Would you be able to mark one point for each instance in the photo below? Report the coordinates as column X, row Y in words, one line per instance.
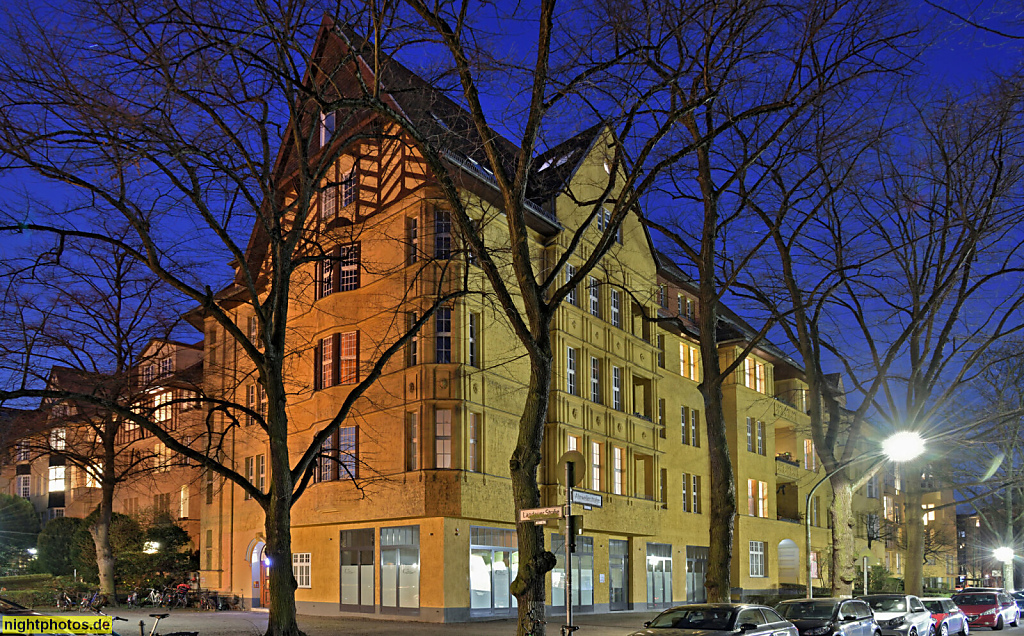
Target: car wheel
column 965, row 627
column 1016, row 619
column 944, row 630
column 931, row 630
column 999, row 623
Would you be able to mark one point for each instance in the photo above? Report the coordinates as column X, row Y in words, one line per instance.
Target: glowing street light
column 1004, row 554
column 151, row 547
column 33, row 551
column 898, row 447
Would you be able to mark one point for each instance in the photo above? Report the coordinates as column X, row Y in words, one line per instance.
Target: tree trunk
column 723, row 497
column 843, row 547
column 100, row 532
column 281, row 582
column 913, row 577
column 1009, row 539
column 534, row 560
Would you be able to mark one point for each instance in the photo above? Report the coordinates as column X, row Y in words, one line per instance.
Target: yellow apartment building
column 409, row 513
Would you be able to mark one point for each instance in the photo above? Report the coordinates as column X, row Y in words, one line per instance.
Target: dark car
column 830, row 617
column 718, row 619
column 949, row 619
column 10, row 608
column 1018, row 598
column 988, row 609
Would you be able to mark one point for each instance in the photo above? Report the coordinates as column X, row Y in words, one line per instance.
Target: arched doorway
column 789, row 561
column 259, row 571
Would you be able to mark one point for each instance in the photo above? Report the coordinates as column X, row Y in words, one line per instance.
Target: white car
column 901, row 615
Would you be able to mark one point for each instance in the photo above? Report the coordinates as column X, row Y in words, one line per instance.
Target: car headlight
column 818, row 631
column 994, row 610
column 896, row 622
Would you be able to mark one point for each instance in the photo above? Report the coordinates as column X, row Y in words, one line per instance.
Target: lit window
column 21, row 452
column 761, row 442
column 595, row 380
column 593, row 291
column 571, row 297
column 301, row 569
column 570, row 371
column 412, row 452
column 616, row 308
column 695, row 493
column 58, row 439
column 810, row 456
column 573, row 442
column 24, row 486
column 348, row 358
column 617, row 388
column 162, row 409
column 93, row 475
column 55, row 481
column 474, row 442
column 474, row 322
column 183, row 503
column 595, row 465
column 618, row 469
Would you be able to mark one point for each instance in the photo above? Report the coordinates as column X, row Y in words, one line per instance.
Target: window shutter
column 336, row 358
column 336, row 269
column 317, row 356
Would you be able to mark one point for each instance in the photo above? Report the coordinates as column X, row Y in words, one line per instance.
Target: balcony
column 787, row 468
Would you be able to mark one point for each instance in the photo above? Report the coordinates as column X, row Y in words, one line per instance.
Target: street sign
column 587, row 498
column 540, row 515
column 579, row 468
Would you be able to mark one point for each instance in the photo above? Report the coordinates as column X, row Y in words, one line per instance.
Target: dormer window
column 58, row 439
column 166, row 366
column 326, row 130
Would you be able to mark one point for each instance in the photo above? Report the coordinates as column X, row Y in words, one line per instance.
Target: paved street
column 254, row 623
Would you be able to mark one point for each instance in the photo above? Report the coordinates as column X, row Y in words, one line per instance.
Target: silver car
column 830, row 617
column 901, row 614
column 714, row 619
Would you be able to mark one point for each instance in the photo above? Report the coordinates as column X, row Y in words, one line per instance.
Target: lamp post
column 899, row 447
column 1005, row 556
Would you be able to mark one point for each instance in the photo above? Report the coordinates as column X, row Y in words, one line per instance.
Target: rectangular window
column 661, row 351
column 596, row 449
column 593, row 291
column 572, row 297
column 326, row 272
column 473, row 344
column 616, row 303
column 253, row 329
column 399, row 568
column 757, row 566
column 326, row 128
column 261, row 473
column 348, row 452
column 663, row 296
column 412, row 447
column 757, row 498
column 871, row 488
column 689, row 361
column 686, row 492
column 55, row 481
column 209, row 487
column 348, row 187
column 754, row 375
column 659, row 574
column 301, row 566
column 750, row 435
column 443, row 336
column 695, row 428
column 695, row 491
column 442, row 235
column 443, row 438
column 327, row 362
column 250, row 473
column 329, row 201
column 414, row 342
column 618, row 469
column 474, row 442
column 348, row 267
column 815, row 516
column 810, row 458
column 617, row 388
column 570, row 371
column 94, row 475
column 412, row 238
column 690, row 309
column 21, row 452
column 162, row 457
column 162, row 409
column 348, row 358
column 761, row 441
column 685, row 417
column 24, row 486
column 573, row 442
column 327, row 460
column 595, row 380
column 183, row 502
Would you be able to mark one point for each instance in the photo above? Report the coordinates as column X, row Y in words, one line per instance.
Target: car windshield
column 706, row 618
column 935, row 607
column 887, row 603
column 807, row 610
column 975, row 599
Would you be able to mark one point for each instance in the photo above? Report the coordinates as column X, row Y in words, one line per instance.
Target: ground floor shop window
column 659, row 574
column 357, row 570
column 400, row 568
column 582, row 573
column 493, row 565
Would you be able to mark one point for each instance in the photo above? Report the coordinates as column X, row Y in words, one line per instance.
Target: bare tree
column 202, row 130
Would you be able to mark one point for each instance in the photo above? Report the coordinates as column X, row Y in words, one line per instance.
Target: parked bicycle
column 91, row 601
column 64, row 601
column 142, row 625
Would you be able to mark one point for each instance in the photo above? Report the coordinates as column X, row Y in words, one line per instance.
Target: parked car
column 10, row 608
column 988, row 609
column 830, row 617
column 900, row 614
column 710, row 619
column 949, row 619
column 1018, row 597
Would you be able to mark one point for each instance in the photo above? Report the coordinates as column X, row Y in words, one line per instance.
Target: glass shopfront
column 400, row 569
column 582, row 573
column 493, row 565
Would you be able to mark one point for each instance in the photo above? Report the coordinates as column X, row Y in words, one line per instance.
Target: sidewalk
column 255, row 623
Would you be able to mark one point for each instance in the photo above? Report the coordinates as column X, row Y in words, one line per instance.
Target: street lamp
column 1005, row 555
column 899, row 447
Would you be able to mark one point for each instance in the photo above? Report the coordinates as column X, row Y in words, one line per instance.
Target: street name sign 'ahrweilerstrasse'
column 541, row 515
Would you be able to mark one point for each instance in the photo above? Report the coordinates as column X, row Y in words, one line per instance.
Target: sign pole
column 570, row 479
